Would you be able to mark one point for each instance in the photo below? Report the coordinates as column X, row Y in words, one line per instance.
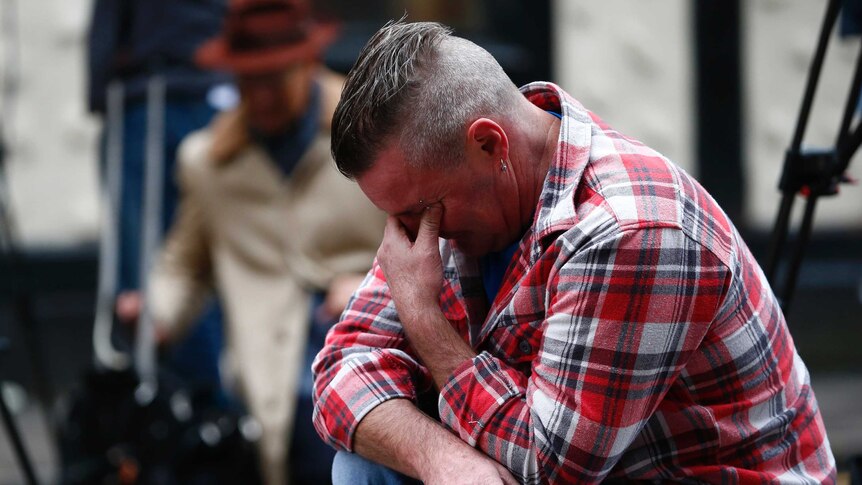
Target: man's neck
column 541, row 131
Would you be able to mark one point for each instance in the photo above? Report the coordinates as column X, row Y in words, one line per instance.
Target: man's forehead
column 389, row 165
column 391, row 184
column 378, row 183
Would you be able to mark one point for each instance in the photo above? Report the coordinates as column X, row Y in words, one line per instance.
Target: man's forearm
column 437, row 344
column 414, row 274
column 396, row 434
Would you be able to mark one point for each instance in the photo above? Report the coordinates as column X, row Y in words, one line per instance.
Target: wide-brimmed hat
column 266, row 35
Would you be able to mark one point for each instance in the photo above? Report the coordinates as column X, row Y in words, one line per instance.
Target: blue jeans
column 352, row 469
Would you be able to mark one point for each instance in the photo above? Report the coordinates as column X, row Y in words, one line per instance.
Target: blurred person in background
column 267, row 221
column 132, row 44
column 584, row 307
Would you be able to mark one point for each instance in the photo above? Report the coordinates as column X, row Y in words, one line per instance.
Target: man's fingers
column 393, row 232
column 393, row 227
column 394, row 240
column 429, row 226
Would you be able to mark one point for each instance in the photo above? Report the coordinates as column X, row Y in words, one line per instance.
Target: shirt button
column 525, row 346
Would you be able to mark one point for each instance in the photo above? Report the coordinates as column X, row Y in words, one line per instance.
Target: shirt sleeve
column 364, row 362
column 623, row 316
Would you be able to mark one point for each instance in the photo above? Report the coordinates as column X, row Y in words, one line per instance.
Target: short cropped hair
column 417, row 84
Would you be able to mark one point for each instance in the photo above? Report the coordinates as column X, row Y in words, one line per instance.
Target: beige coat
column 264, row 241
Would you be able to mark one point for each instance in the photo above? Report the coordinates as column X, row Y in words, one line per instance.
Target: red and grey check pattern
column 634, row 336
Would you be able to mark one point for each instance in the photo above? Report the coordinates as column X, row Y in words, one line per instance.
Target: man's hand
column 462, row 464
column 414, row 273
column 128, row 307
column 413, row 270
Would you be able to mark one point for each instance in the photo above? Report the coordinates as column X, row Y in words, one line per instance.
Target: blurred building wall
column 780, row 37
column 52, row 168
column 631, row 63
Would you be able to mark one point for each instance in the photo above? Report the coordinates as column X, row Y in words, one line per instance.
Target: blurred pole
column 107, row 357
column 719, row 106
column 145, row 341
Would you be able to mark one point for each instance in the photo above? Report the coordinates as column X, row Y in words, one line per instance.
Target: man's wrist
column 441, row 449
column 438, row 345
column 417, row 310
column 398, row 435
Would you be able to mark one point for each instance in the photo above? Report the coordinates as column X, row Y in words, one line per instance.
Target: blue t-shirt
column 493, row 267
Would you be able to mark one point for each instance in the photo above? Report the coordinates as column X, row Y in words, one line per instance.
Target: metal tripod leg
column 14, row 435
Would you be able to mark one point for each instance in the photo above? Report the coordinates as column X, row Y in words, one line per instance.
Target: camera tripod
column 814, row 173
column 12, row 431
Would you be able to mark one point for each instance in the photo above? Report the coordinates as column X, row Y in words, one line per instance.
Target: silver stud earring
column 503, row 166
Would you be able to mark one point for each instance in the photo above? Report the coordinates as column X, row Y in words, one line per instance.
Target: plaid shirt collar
column 555, row 210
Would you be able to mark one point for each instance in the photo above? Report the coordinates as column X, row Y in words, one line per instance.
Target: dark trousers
column 310, row 458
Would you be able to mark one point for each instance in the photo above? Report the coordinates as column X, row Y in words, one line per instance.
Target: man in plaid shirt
column 583, row 306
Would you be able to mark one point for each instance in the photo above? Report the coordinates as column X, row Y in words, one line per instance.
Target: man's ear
column 487, row 137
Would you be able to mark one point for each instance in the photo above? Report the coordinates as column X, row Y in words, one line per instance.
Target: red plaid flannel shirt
column 634, row 336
